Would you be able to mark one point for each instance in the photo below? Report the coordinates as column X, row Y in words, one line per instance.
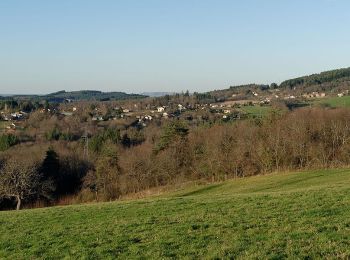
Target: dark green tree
column 6, row 141
column 50, row 169
column 173, row 131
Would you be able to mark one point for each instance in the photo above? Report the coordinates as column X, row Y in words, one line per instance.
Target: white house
column 160, row 109
column 181, row 107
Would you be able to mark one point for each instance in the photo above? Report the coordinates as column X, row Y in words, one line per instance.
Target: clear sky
column 167, row 45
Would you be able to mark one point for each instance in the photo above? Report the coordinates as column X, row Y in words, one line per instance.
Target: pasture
column 286, row 215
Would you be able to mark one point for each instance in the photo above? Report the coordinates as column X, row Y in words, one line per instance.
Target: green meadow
column 287, row 215
column 334, row 102
column 257, row 111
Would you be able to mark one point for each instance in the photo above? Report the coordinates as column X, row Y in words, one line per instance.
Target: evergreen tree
column 50, row 174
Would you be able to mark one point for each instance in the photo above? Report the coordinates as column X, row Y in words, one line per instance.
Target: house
column 97, row 118
column 66, row 113
column 289, row 97
column 340, row 94
column 227, row 111
column 266, row 101
column 11, row 127
column 314, row 95
column 74, row 109
column 160, row 109
column 165, row 115
column 16, row 116
column 125, row 110
column 5, row 117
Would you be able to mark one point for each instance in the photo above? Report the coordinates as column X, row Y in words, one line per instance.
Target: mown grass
column 294, row 215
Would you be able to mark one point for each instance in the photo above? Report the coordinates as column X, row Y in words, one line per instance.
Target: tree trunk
column 18, row 207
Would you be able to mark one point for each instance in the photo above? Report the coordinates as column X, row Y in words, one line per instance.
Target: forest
column 118, row 162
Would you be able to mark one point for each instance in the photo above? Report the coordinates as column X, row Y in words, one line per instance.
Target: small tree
column 6, row 141
column 172, row 132
column 107, row 173
column 19, row 180
column 104, row 180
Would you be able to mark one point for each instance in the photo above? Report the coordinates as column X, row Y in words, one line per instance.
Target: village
column 232, row 106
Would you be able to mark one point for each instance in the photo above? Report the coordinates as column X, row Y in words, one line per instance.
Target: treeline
column 175, row 153
column 11, row 104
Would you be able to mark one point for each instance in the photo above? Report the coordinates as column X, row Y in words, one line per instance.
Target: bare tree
column 19, row 180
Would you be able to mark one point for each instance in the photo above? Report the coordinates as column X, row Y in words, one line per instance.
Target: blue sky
column 167, row 45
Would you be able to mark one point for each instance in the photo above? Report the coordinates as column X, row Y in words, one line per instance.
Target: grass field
column 334, row 101
column 257, row 111
column 294, row 215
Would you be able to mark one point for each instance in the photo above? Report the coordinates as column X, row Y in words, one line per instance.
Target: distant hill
column 332, row 76
column 333, row 81
column 157, row 94
column 63, row 95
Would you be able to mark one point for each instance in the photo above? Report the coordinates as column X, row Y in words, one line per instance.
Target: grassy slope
column 287, row 215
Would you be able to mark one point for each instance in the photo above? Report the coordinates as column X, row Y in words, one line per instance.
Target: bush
column 6, row 141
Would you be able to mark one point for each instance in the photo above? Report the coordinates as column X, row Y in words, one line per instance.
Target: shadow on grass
column 202, row 190
column 287, row 183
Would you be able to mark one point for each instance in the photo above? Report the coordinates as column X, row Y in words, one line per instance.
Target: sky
column 140, row 46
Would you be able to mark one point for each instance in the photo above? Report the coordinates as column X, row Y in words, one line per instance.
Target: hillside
column 332, row 76
column 329, row 82
column 295, row 215
column 92, row 95
column 63, row 95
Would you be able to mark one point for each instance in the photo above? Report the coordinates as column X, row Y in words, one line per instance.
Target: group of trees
column 175, row 152
column 28, row 179
column 25, row 104
column 304, row 139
